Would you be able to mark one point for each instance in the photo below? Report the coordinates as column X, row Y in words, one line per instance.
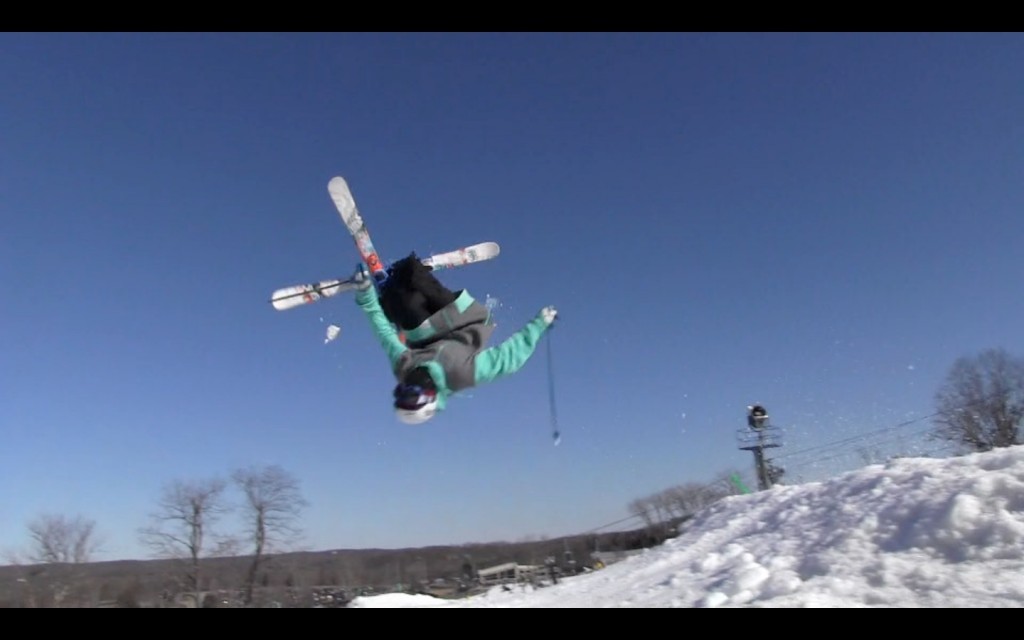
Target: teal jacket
column 450, row 344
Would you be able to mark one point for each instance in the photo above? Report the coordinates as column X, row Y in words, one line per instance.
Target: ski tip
column 339, row 191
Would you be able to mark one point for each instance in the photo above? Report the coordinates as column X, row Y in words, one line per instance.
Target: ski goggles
column 413, row 396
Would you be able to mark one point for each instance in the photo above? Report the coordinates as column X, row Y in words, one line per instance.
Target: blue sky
column 821, row 223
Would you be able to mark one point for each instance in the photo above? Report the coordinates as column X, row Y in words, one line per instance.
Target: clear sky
column 917, row 533
column 821, row 223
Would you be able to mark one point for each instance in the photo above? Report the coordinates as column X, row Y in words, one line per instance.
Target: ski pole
column 551, row 393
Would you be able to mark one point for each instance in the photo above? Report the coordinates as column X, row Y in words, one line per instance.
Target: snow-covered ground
column 915, row 532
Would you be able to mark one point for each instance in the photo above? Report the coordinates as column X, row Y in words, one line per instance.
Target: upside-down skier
column 442, row 347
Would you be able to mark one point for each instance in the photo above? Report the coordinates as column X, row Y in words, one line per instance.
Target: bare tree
column 981, row 404
column 687, row 499
column 644, row 509
column 664, row 511
column 655, row 511
column 184, row 521
column 272, row 505
column 60, row 547
column 58, row 538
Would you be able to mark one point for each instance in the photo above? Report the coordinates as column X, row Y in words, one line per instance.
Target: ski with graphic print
column 303, row 294
column 341, row 195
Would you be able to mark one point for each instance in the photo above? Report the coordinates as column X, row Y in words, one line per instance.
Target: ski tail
column 341, row 195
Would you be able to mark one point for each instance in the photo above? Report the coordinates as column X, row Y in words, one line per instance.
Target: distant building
column 509, row 573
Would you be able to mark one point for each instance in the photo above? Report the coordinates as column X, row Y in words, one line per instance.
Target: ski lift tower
column 757, row 437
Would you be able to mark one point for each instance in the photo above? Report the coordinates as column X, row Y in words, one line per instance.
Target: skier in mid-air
column 442, row 348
